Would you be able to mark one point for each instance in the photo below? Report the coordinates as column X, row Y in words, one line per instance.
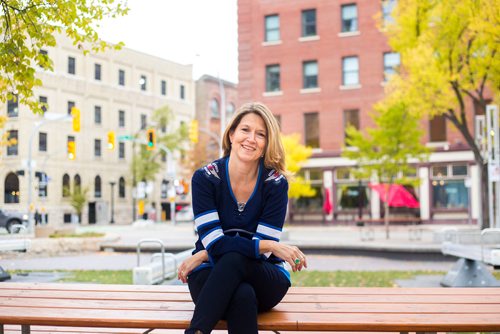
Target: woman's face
column 249, row 139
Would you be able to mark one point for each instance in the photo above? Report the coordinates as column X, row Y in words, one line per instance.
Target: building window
column 214, row 108
column 42, row 142
column 121, row 150
column 230, row 109
column 437, row 128
column 311, row 125
column 163, row 87
column 71, row 65
column 309, row 22
column 448, row 187
column 66, row 191
column 143, row 82
column 387, row 8
column 97, row 187
column 121, row 77
column 13, row 137
column 11, row 189
column 164, row 188
column 97, row 147
column 272, row 28
column 182, row 92
column 77, row 183
column 121, row 118
column 310, row 74
column 391, row 64
column 97, row 72
column 313, row 204
column 273, row 78
column 349, row 18
column 44, row 102
column 13, row 107
column 97, row 114
column 350, row 71
column 121, row 187
column 143, row 121
column 42, row 184
column 71, row 104
column 351, row 118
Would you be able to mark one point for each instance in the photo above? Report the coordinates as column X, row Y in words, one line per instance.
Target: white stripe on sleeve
column 206, row 218
column 211, row 237
column 268, row 231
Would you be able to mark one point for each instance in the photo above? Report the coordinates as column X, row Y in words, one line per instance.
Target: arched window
column 121, row 187
column 230, row 109
column 66, row 191
column 11, row 186
column 214, row 108
column 77, row 183
column 97, row 187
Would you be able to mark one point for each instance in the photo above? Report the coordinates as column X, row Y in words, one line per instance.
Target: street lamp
column 112, row 184
column 222, row 114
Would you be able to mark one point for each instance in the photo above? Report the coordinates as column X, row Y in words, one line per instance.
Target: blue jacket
column 224, row 226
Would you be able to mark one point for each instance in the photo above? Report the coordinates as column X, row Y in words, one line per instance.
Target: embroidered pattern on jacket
column 274, row 176
column 212, row 169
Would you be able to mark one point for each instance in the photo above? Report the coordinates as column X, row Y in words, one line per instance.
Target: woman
column 239, row 203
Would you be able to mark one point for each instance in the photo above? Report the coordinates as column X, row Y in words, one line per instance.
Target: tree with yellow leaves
column 295, row 155
column 449, row 55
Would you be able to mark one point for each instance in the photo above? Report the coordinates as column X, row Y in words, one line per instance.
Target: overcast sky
column 199, row 32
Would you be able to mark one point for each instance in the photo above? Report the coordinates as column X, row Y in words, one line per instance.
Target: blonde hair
column 274, row 153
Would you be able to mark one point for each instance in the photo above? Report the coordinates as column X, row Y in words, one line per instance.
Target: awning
column 398, row 195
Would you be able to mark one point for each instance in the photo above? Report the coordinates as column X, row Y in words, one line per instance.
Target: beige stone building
column 115, row 91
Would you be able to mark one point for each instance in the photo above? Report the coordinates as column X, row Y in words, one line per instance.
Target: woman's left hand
column 190, row 264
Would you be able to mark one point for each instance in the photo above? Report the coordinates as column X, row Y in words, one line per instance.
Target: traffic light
column 193, row 131
column 151, row 138
column 111, row 140
column 71, row 150
column 75, row 112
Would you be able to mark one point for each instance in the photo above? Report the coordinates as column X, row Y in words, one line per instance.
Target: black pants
column 235, row 289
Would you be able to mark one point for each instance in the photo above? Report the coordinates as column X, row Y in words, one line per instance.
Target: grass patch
column 354, row 278
column 77, row 235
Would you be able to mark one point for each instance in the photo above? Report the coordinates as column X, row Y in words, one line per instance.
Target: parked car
column 8, row 220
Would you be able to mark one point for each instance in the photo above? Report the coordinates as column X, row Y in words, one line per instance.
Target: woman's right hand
column 188, row 265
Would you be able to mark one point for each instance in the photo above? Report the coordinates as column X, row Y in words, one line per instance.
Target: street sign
column 125, row 137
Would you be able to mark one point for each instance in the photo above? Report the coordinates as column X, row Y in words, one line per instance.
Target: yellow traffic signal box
column 193, row 131
column 75, row 113
column 111, row 140
column 71, row 150
column 151, row 139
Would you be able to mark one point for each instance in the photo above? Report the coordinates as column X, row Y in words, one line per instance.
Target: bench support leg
column 25, row 329
column 469, row 273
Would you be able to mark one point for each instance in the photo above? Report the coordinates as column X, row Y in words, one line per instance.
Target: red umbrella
column 327, row 205
column 398, row 195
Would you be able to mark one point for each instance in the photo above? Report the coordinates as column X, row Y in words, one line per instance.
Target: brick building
column 321, row 65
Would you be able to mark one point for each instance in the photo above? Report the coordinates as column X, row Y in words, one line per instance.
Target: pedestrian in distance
column 239, row 202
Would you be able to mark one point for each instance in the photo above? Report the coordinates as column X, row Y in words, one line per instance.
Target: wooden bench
column 367, row 232
column 127, row 307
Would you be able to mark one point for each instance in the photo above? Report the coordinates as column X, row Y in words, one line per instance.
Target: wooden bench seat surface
column 303, row 309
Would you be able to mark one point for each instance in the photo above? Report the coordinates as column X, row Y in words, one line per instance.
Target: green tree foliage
column 296, row 154
column 146, row 164
column 384, row 151
column 449, row 53
column 78, row 199
column 26, row 27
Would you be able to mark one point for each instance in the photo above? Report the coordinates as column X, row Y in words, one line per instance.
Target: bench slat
column 267, row 321
column 185, row 297
column 293, row 290
column 143, row 305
